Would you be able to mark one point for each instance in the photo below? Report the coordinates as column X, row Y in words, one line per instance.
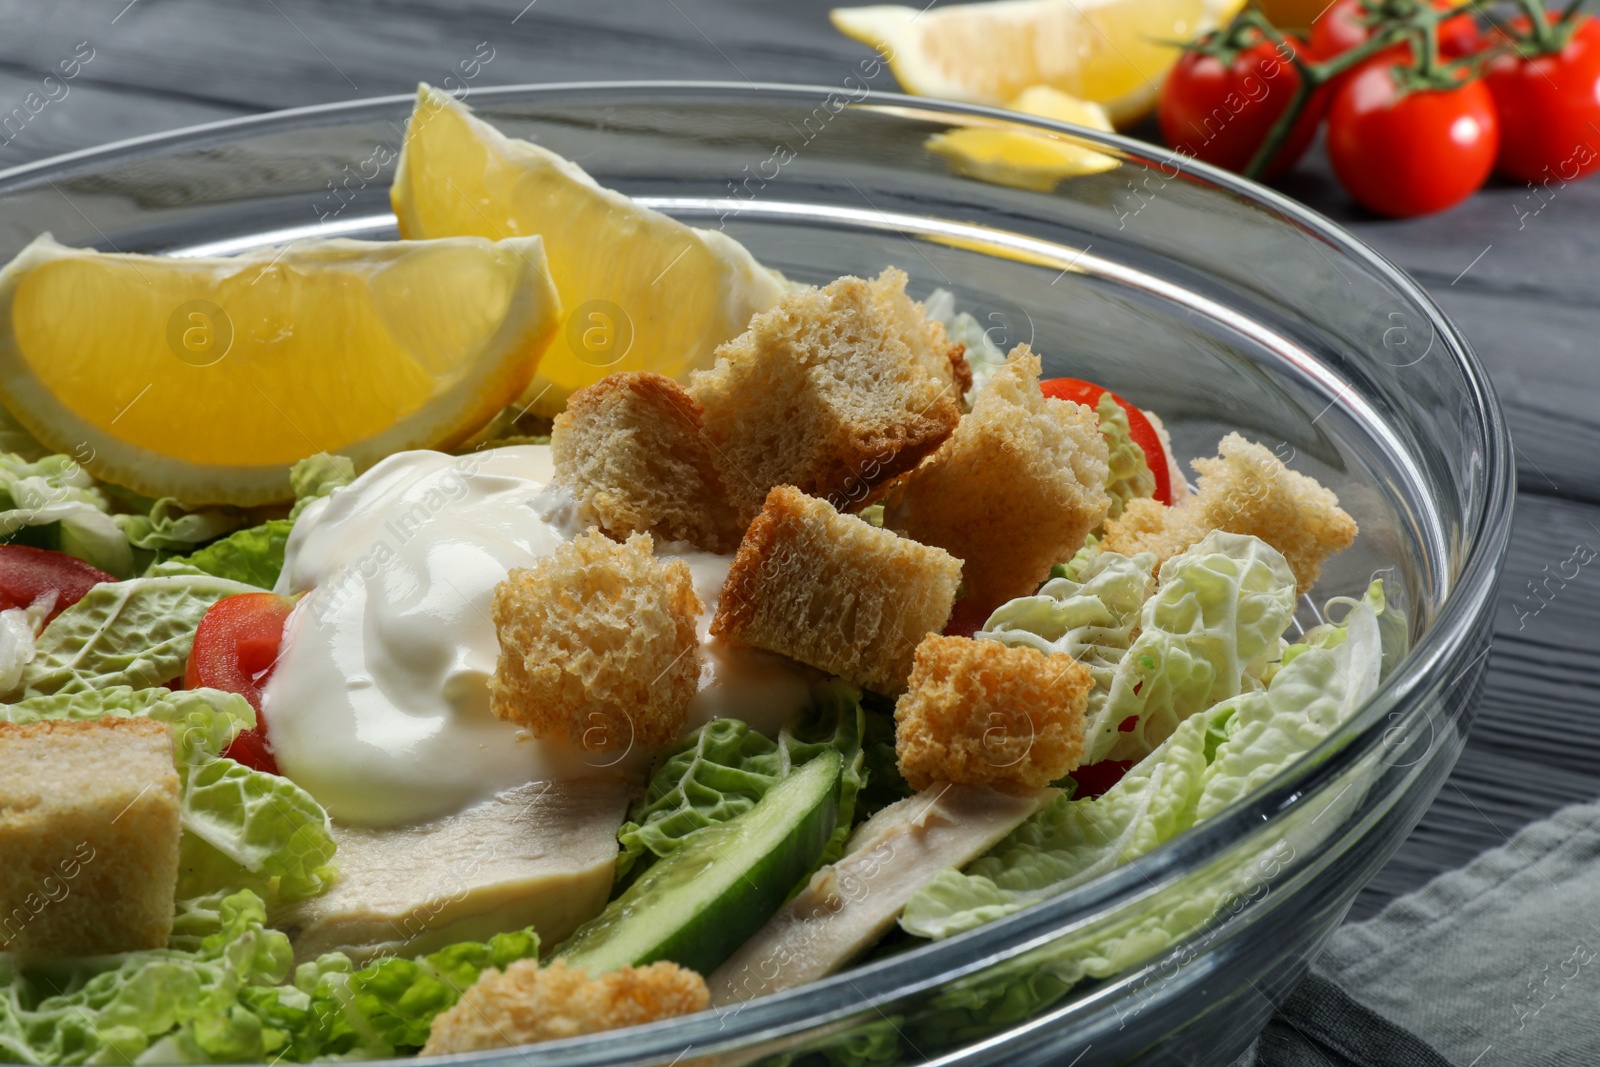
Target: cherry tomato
column 235, row 649
column 1413, row 153
column 1219, row 112
column 27, row 573
column 1550, row 109
column 1341, row 27
column 1139, row 428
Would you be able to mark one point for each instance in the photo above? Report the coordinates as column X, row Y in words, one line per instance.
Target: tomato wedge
column 1139, row 428
column 235, row 649
column 28, row 573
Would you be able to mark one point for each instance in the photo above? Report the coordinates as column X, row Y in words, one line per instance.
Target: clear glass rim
column 1486, row 523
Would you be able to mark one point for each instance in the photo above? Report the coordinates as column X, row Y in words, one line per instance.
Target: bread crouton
column 925, row 337
column 1180, row 487
column 823, row 394
column 1243, row 490
column 598, row 644
column 89, row 831
column 631, row 449
column 527, row 1003
column 834, row 591
column 1015, row 489
column 977, row 712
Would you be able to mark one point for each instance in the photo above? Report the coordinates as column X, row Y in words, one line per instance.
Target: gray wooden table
column 1517, row 271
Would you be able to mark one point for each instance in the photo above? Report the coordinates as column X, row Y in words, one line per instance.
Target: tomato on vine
column 1402, row 149
column 1346, row 24
column 1226, row 92
column 1546, row 87
column 1412, row 126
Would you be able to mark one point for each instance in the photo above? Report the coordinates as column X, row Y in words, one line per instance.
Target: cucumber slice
column 699, row 903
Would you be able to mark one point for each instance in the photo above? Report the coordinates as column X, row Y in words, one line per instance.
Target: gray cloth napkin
column 1492, row 965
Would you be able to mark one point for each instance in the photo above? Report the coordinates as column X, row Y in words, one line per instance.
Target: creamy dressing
column 736, row 682
column 379, row 702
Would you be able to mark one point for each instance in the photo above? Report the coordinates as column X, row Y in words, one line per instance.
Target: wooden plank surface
column 1515, row 269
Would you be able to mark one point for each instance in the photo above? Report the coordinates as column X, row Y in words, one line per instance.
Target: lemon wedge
column 642, row 291
column 1028, row 159
column 205, row 378
column 1114, row 53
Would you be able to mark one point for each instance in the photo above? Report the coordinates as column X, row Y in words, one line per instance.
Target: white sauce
column 379, row 703
column 759, row 687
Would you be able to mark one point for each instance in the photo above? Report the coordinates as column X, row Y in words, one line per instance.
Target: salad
column 607, row 629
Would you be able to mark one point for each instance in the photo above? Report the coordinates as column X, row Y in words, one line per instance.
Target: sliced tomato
column 1139, row 428
column 235, row 649
column 27, row 573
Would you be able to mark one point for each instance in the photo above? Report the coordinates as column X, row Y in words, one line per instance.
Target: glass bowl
column 1213, row 301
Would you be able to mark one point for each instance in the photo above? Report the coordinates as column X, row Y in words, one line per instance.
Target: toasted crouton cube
column 1015, row 489
column 89, row 831
column 1243, row 490
column 1180, row 487
column 822, row 393
column 598, row 644
column 835, row 592
column 632, row 450
column 925, row 337
column 980, row 713
column 527, row 1003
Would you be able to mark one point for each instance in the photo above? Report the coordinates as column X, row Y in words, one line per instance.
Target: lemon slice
column 1023, row 158
column 204, row 379
column 1109, row 52
column 641, row 291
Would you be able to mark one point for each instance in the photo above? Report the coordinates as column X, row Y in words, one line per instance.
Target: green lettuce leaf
column 1239, row 744
column 722, row 769
column 241, row 827
column 1070, row 841
column 1129, row 477
column 1211, row 761
column 135, row 633
column 164, row 1006
column 1073, row 568
column 316, row 476
column 248, row 828
column 1090, row 618
column 204, row 721
column 195, row 919
column 1206, row 634
column 168, row 526
column 1319, row 687
column 983, row 356
column 19, row 630
column 882, row 783
column 54, row 503
column 253, row 555
column 388, row 1006
column 224, row 996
